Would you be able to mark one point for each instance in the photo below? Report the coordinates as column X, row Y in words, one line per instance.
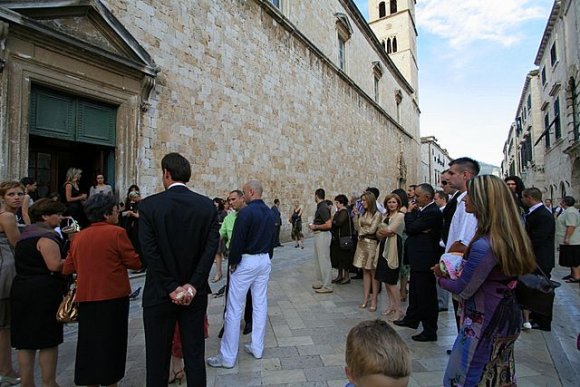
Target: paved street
column 306, row 336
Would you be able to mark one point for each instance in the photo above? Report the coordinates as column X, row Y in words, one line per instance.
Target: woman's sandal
column 177, row 377
column 373, row 308
column 363, row 305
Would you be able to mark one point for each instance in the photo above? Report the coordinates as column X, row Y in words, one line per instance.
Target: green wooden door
column 72, row 118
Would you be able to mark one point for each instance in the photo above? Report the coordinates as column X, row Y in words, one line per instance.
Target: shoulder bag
column 535, row 292
column 345, row 242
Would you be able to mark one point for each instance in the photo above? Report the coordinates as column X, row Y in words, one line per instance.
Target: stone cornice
column 548, row 32
column 22, row 15
column 284, row 22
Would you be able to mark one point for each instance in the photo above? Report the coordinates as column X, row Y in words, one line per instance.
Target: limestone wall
column 242, row 97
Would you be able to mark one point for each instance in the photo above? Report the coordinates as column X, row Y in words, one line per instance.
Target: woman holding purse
column 101, row 254
column 342, row 227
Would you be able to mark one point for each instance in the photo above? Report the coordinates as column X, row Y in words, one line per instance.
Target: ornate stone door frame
column 79, row 49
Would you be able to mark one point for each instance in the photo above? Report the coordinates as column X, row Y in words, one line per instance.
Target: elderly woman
column 491, row 319
column 568, row 238
column 365, row 256
column 37, row 292
column 101, row 255
column 11, row 195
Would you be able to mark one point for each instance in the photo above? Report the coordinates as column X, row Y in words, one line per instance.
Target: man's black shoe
column 535, row 325
column 448, row 352
column 220, row 292
column 403, row 323
column 221, row 334
column 133, row 296
column 247, row 329
column 422, row 337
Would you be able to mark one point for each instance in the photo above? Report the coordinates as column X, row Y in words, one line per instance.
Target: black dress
column 36, row 294
column 341, row 226
column 75, row 209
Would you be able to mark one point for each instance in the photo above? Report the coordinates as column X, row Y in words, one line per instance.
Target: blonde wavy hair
column 71, row 173
column 498, row 217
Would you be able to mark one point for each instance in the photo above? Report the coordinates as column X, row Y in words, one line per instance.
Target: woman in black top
column 37, row 292
column 341, row 227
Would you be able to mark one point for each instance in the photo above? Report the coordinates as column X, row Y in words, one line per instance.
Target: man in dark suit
column 423, row 225
column 541, row 227
column 179, row 234
column 278, row 217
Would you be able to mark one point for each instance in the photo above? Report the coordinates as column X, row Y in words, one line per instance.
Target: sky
column 474, row 56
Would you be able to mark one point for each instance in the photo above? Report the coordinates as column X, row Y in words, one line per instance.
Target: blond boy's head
column 376, row 356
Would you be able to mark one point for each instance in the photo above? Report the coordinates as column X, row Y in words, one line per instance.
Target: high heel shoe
column 337, row 280
column 217, row 278
column 373, row 308
column 177, row 377
column 363, row 305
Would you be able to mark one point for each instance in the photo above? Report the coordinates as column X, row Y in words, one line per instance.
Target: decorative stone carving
column 147, row 85
column 3, row 35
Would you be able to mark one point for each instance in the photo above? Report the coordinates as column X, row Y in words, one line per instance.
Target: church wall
column 242, row 97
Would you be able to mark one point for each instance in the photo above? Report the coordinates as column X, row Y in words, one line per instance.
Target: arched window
column 394, row 44
column 382, row 9
column 393, row 6
column 389, row 47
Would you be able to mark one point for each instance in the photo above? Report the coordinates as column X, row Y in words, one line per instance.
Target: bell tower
column 393, row 22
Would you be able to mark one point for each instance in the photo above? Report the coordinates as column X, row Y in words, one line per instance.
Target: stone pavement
column 306, row 336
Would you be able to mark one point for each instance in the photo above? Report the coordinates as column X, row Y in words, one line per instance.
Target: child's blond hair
column 374, row 348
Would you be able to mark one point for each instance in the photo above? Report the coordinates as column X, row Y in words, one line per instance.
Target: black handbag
column 535, row 292
column 346, row 242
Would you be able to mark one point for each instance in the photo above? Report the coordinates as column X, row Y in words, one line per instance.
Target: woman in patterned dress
column 491, row 319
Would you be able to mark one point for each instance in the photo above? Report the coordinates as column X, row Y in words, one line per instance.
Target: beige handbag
column 68, row 310
column 71, row 227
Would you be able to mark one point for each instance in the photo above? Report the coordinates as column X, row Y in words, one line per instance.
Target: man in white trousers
column 320, row 227
column 249, row 265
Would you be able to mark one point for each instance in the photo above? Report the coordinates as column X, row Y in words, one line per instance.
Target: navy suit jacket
column 423, row 229
column 179, row 234
column 541, row 227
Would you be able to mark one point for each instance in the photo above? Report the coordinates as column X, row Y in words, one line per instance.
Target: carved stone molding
column 3, row 36
column 147, row 85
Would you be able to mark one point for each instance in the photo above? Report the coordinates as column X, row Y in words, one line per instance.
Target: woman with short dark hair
column 342, row 226
column 101, row 254
column 37, row 292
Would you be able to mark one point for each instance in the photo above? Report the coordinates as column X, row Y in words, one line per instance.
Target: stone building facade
column 524, row 151
column 554, row 130
column 283, row 91
column 434, row 160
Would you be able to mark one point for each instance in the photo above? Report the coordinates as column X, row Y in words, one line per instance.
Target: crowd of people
column 469, row 239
